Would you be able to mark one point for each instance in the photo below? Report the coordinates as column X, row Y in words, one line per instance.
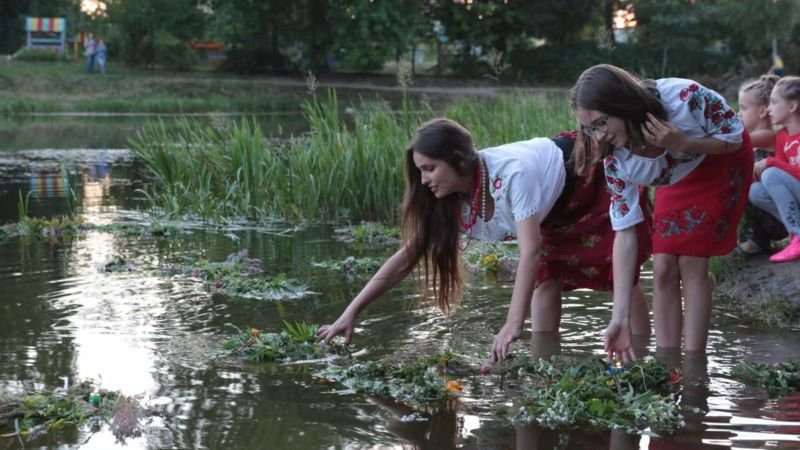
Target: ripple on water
column 158, row 335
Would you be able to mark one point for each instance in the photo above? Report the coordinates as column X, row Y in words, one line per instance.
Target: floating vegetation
column 242, row 276
column 134, row 229
column 557, row 393
column 371, row 233
column 116, row 264
column 64, row 227
column 34, row 414
column 51, row 229
column 425, row 384
column 777, row 379
column 296, row 342
column 491, row 257
column 564, row 392
column 352, row 265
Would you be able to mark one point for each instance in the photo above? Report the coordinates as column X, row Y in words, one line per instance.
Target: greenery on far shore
column 346, row 167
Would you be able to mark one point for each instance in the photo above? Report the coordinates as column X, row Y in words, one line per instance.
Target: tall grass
column 345, row 167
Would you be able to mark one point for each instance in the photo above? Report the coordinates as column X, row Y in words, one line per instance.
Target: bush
column 38, row 54
column 173, row 54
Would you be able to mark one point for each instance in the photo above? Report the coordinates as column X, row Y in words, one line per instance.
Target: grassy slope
column 65, row 87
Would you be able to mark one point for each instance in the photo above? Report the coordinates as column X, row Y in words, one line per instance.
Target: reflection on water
column 114, row 131
column 157, row 336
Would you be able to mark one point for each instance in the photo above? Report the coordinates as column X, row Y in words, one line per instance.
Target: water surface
column 157, row 336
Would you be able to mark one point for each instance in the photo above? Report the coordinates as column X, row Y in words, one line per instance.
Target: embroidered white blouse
column 698, row 112
column 525, row 178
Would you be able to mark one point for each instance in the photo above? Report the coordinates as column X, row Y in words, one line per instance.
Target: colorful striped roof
column 52, row 24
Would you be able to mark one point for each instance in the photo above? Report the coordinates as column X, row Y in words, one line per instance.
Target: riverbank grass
column 348, row 167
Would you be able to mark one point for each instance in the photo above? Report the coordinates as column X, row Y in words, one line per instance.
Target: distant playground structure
column 46, row 33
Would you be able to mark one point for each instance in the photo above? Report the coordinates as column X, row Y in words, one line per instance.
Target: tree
column 13, row 13
column 257, row 33
column 143, row 26
column 776, row 19
column 683, row 32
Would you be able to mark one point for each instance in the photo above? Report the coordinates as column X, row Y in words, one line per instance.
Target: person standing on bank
column 684, row 138
column 100, row 55
column 89, row 46
column 521, row 191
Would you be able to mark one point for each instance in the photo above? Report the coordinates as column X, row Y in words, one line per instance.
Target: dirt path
column 474, row 91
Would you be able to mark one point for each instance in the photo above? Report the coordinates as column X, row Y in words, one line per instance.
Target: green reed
column 349, row 166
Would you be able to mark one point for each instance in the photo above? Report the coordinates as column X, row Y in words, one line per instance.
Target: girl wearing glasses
column 526, row 191
column 683, row 138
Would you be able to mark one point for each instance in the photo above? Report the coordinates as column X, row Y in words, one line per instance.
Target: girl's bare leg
column 697, row 301
column 667, row 308
column 546, row 306
column 640, row 314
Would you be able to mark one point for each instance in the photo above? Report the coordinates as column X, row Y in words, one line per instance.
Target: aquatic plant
column 296, row 342
column 352, row 265
column 53, row 228
column 242, row 276
column 564, row 392
column 160, row 229
column 126, row 418
column 777, row 379
column 425, row 383
column 30, row 415
column 116, row 264
column 371, row 233
column 491, row 257
column 344, row 168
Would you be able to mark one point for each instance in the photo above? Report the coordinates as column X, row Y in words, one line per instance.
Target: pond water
column 158, row 336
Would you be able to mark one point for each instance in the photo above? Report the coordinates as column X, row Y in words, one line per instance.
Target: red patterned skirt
column 577, row 239
column 699, row 215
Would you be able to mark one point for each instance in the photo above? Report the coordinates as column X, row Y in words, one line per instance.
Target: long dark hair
column 616, row 92
column 430, row 229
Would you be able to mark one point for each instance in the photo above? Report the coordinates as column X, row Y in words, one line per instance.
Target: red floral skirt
column 577, row 239
column 699, row 215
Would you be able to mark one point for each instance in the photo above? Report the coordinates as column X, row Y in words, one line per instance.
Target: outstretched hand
column 502, row 341
column 344, row 325
column 662, row 133
column 617, row 342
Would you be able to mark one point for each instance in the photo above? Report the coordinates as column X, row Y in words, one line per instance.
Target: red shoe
column 790, row 253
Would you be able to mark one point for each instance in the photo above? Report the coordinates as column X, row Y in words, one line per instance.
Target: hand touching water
column 617, row 342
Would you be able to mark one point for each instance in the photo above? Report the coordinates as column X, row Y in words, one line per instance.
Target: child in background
column 758, row 227
column 778, row 188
